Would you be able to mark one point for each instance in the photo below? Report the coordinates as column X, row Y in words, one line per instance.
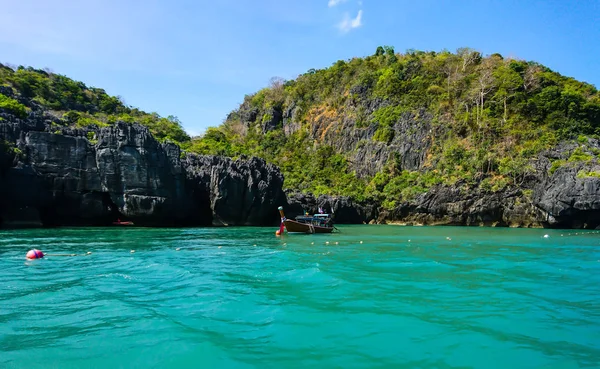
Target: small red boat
column 126, row 223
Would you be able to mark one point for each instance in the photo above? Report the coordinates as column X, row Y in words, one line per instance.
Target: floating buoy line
column 577, row 234
column 37, row 254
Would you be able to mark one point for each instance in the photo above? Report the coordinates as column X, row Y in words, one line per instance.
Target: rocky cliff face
column 410, row 143
column 55, row 175
column 241, row 192
column 569, row 197
column 457, row 205
column 52, row 175
column 566, row 198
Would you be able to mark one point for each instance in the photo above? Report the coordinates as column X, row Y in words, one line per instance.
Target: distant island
column 412, row 138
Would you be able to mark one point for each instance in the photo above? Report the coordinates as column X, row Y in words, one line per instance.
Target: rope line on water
column 69, row 255
column 36, row 254
column 578, row 233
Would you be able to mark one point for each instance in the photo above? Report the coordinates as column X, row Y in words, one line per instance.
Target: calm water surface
column 372, row 297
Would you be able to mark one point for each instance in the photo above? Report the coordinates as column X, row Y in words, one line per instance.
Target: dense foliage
column 12, row 106
column 79, row 105
column 491, row 116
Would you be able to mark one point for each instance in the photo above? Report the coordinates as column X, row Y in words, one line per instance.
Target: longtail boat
column 316, row 223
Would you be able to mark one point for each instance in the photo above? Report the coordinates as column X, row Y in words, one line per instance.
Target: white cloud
column 333, row 3
column 348, row 23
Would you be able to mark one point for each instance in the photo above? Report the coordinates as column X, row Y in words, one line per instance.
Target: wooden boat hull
column 293, row 226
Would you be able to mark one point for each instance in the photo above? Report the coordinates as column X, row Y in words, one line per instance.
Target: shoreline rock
column 52, row 179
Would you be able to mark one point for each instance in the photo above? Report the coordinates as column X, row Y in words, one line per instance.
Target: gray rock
column 411, row 141
column 240, row 192
column 272, row 119
column 459, row 205
column 64, row 179
column 570, row 201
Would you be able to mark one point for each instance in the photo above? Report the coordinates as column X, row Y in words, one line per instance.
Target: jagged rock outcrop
column 272, row 119
column 269, row 119
column 241, row 192
column 94, row 176
column 568, row 197
column 409, row 145
column 571, row 200
column 458, row 205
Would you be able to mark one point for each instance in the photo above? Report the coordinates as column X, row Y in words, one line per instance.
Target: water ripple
column 242, row 298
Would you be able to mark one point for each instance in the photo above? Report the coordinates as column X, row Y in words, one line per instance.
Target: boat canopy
column 314, row 216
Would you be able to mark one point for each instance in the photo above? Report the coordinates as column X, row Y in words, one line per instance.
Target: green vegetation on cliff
column 76, row 104
column 487, row 117
column 12, row 106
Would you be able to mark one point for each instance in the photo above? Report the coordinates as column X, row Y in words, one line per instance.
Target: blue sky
column 197, row 59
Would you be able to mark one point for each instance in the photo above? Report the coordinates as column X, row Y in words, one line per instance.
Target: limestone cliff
column 421, row 137
column 95, row 176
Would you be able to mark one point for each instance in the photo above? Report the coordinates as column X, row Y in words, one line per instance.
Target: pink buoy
column 35, row 254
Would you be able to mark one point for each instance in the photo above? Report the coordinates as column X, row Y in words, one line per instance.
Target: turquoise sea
column 367, row 297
